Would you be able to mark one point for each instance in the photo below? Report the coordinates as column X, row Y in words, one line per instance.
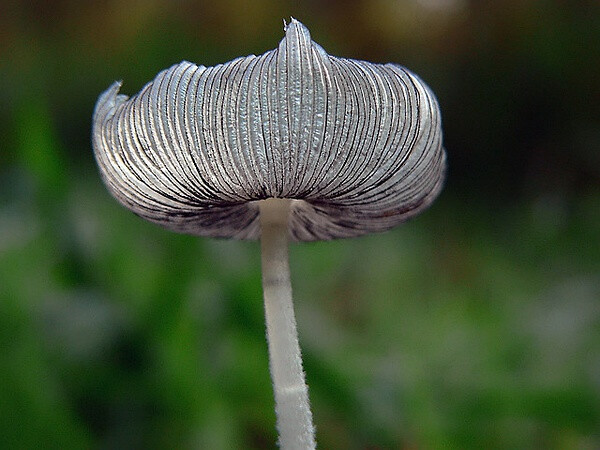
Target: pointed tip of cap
column 295, row 27
column 292, row 25
column 292, row 22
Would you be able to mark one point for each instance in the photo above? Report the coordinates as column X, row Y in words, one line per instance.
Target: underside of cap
column 356, row 145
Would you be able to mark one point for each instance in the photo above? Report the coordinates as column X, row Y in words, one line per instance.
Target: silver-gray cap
column 356, row 145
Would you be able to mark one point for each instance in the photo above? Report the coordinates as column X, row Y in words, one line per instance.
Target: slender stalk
column 294, row 418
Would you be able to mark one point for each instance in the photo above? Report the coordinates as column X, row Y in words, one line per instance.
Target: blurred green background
column 476, row 325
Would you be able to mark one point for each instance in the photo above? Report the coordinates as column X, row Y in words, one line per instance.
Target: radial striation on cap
column 356, row 145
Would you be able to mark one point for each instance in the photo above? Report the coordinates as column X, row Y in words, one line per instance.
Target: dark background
column 476, row 325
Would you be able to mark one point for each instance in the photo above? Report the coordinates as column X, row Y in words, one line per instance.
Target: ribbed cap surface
column 358, row 144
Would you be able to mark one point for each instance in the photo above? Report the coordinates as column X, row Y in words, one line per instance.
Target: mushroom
column 291, row 145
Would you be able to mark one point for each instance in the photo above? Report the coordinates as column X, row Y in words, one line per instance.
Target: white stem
column 294, row 418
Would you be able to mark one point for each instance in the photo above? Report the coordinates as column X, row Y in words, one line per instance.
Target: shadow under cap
column 356, row 145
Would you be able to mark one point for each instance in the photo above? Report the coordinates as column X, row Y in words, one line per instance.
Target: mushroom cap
column 356, row 145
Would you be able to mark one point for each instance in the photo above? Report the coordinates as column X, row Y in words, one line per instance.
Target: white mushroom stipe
column 294, row 417
column 293, row 144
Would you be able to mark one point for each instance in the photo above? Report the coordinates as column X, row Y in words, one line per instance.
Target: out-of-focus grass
column 462, row 329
